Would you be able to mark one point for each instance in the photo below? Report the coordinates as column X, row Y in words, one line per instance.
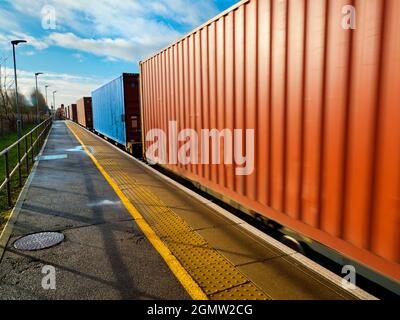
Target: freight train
column 321, row 101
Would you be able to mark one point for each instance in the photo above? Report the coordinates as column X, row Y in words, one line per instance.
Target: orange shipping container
column 324, row 101
column 84, row 112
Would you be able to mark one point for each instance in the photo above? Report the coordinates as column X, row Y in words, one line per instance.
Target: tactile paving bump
column 217, row 276
column 246, row 291
column 39, row 241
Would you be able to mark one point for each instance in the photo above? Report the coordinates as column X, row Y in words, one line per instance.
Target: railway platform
column 132, row 233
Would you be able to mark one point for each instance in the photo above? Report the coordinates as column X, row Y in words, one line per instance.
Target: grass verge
column 16, row 186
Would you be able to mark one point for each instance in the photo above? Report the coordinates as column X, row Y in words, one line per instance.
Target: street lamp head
column 47, row 86
column 17, row 42
column 38, row 73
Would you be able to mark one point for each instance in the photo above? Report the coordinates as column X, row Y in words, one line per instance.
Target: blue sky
column 80, row 45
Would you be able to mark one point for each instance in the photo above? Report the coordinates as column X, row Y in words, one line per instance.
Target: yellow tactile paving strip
column 213, row 273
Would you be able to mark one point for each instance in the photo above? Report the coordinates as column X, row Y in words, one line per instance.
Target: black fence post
column 32, row 155
column 27, row 155
column 8, row 180
column 37, row 141
column 19, row 164
column 40, row 139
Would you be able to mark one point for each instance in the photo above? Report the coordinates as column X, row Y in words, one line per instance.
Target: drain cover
column 39, row 241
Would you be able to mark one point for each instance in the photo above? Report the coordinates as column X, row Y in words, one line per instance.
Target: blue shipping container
column 109, row 110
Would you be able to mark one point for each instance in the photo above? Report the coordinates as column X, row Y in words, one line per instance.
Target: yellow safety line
column 177, row 269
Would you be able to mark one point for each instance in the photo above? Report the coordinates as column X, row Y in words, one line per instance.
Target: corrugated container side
column 324, row 102
column 133, row 114
column 84, row 111
column 116, row 112
column 70, row 112
column 80, row 107
column 108, row 104
column 74, row 113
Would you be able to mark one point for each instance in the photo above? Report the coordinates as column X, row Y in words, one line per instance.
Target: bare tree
column 7, row 96
column 4, row 96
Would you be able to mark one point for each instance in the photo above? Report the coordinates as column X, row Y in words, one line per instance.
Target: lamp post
column 46, row 94
column 54, row 100
column 19, row 122
column 37, row 98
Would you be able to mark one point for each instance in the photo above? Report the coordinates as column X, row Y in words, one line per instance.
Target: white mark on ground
column 104, row 203
column 76, row 149
column 79, row 149
column 51, row 157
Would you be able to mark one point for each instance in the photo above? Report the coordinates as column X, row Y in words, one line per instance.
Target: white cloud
column 191, row 13
column 29, row 53
column 37, row 44
column 8, row 21
column 111, row 48
column 69, row 87
column 128, row 30
column 78, row 57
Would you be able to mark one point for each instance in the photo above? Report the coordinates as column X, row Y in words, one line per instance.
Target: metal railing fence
column 30, row 144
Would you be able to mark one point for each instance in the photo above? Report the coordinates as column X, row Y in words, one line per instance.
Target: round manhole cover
column 39, row 241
